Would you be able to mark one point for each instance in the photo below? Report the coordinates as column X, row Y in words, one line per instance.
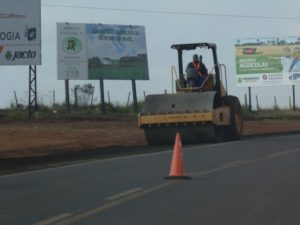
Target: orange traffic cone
column 177, row 168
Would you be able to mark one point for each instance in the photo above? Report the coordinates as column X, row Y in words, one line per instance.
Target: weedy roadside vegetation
column 59, row 112
column 274, row 113
column 122, row 112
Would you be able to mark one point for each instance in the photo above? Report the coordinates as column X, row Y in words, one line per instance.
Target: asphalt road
column 253, row 181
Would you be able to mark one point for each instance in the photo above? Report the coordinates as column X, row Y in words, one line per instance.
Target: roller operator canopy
column 193, row 46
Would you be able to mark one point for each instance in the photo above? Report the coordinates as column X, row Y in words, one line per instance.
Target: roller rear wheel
column 235, row 130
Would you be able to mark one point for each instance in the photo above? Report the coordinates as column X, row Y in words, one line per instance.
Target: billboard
column 101, row 51
column 20, row 32
column 267, row 61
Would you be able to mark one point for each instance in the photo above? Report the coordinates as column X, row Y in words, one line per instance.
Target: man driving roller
column 196, row 72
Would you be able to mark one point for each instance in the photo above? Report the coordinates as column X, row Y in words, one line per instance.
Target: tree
column 83, row 94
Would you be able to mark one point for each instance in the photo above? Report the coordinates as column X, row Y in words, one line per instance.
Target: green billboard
column 267, row 61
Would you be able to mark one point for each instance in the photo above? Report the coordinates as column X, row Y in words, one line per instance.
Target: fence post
column 250, row 105
column 246, row 103
column 294, row 104
column 108, row 97
column 53, row 95
column 16, row 99
column 275, row 102
column 128, row 99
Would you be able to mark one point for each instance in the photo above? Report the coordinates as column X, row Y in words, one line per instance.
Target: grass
column 271, row 114
column 59, row 112
column 123, row 112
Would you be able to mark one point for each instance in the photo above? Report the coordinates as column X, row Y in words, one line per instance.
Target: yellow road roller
column 199, row 113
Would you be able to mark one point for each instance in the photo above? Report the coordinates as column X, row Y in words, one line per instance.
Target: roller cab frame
column 200, row 114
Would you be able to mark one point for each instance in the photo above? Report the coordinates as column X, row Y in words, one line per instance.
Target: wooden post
column 53, row 98
column 16, row 99
column 108, row 97
column 275, row 102
column 257, row 105
column 250, row 105
column 294, row 104
column 128, row 99
column 92, row 99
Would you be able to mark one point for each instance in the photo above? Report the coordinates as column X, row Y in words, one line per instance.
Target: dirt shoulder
column 24, row 139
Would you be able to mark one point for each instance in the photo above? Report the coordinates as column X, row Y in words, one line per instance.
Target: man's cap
column 195, row 57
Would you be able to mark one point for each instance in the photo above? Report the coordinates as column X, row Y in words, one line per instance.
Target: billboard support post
column 250, row 104
column 75, row 96
column 135, row 105
column 294, row 105
column 32, row 99
column 102, row 96
column 68, row 107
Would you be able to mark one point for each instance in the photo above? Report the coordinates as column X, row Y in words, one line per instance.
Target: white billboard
column 20, row 32
column 101, row 51
column 71, row 52
column 267, row 61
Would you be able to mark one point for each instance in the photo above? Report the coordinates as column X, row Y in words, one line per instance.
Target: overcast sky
column 167, row 22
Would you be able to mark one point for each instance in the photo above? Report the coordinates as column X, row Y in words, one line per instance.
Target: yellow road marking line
column 54, row 219
column 276, row 154
column 233, row 164
column 112, row 204
column 123, row 194
column 125, row 197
